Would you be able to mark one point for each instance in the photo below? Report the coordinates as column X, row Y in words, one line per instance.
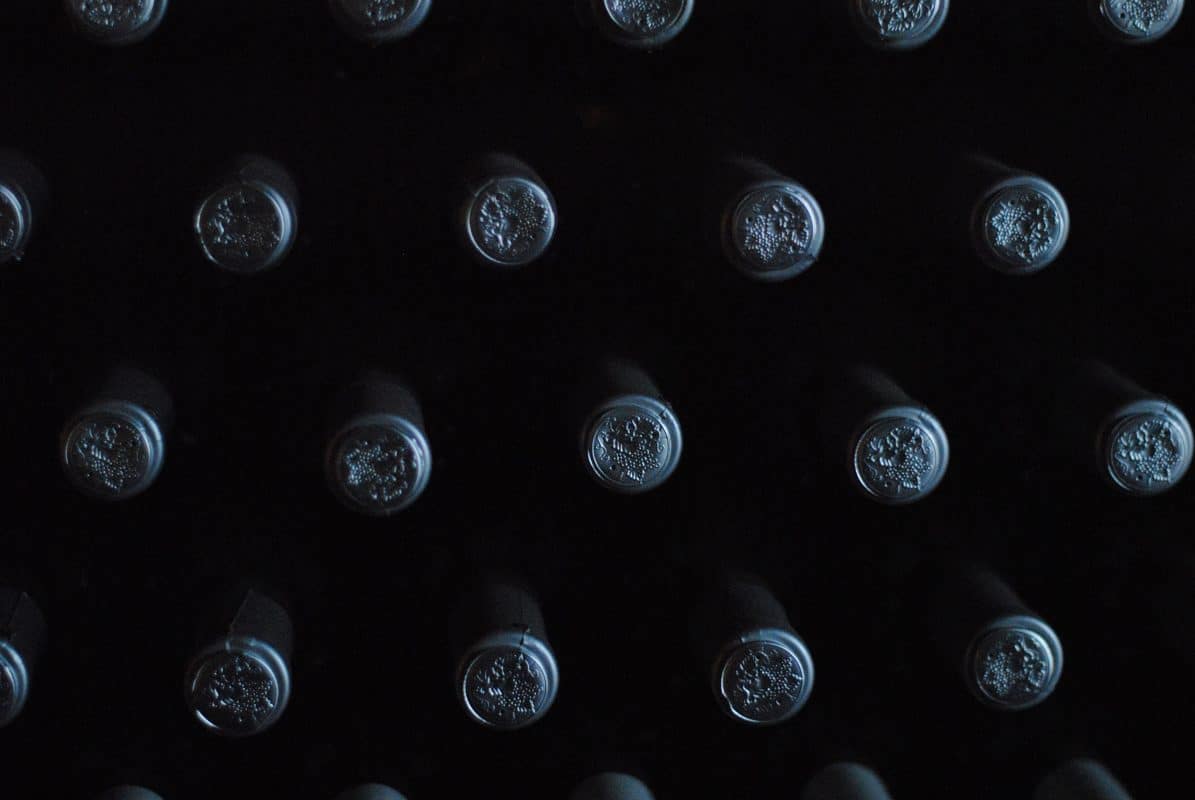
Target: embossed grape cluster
column 512, row 219
column 109, row 453
column 1016, row 668
column 113, row 14
column 1024, row 225
column 1146, row 453
column 1141, row 15
column 242, row 223
column 239, row 690
column 898, row 459
column 644, row 16
column 776, row 229
column 378, row 469
column 892, row 17
column 383, row 13
column 507, row 686
column 765, row 682
column 630, row 447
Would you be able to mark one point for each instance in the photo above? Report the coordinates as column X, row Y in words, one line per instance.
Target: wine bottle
column 379, row 21
column 116, row 22
column 894, row 449
column 1080, row 779
column 761, row 671
column 507, row 217
column 507, row 677
column 846, row 781
column 248, row 221
column 611, row 786
column 1139, row 442
column 114, row 446
column 1135, row 21
column 630, row 437
column 772, row 228
column 377, row 460
column 24, row 195
column 129, row 793
column 1009, row 657
column 1019, row 221
column 22, row 642
column 370, row 791
column 641, row 25
column 898, row 24
column 239, row 682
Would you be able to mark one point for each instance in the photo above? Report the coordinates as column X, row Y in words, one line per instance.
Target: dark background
column 376, row 139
